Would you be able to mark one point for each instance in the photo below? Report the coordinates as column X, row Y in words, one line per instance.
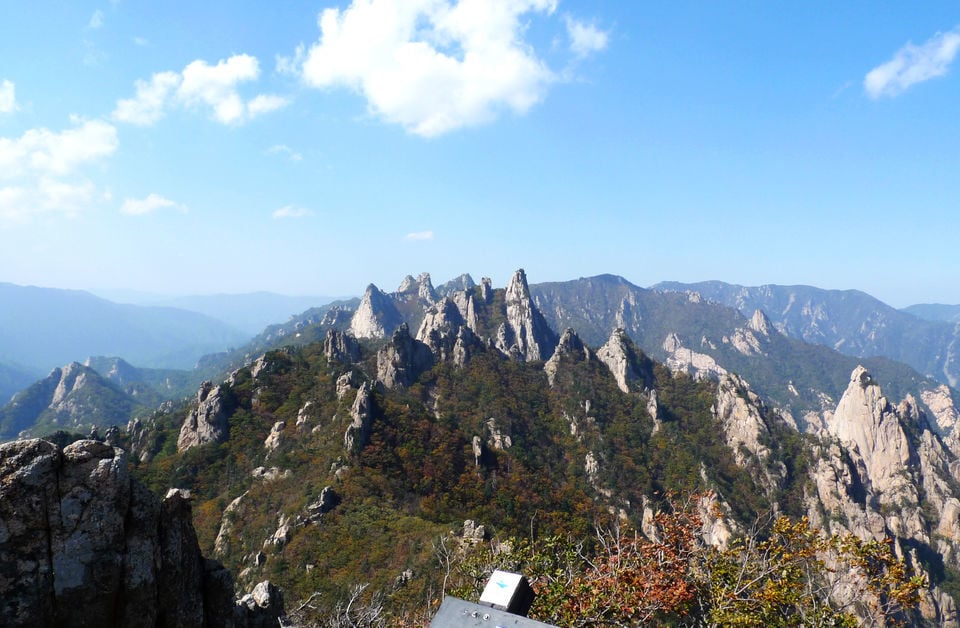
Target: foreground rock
column 84, row 544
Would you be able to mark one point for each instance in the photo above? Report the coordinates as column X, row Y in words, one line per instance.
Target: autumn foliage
column 785, row 573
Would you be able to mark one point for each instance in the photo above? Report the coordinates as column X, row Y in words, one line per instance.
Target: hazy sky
column 315, row 147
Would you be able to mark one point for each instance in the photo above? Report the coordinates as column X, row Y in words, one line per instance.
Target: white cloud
column 42, row 166
column 913, row 64
column 8, row 97
column 419, row 235
column 148, row 205
column 585, row 38
column 283, row 149
column 199, row 84
column 265, row 103
column 290, row 211
column 148, row 105
column 44, row 152
column 141, row 41
column 432, row 66
column 45, row 196
column 96, row 20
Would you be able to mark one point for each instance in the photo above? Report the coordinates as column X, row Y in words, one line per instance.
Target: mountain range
column 44, row 328
column 849, row 321
column 354, row 450
column 360, row 440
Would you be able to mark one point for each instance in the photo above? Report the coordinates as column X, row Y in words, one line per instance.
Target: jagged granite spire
column 525, row 334
column 376, row 316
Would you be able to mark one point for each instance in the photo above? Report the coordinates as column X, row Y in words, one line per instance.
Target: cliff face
column 83, row 544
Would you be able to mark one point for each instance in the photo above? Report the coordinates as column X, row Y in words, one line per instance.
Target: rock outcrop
column 445, row 332
column 341, row 347
column 84, row 544
column 569, row 348
column 400, row 362
column 376, row 316
column 360, row 414
column 620, row 355
column 208, row 422
column 525, row 335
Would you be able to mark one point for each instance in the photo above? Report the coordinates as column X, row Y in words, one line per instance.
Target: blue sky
column 315, row 147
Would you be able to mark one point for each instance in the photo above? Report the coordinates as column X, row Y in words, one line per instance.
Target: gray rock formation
column 445, row 332
column 376, row 316
column 208, row 422
column 341, row 347
column 525, row 335
column 84, row 544
column 400, row 362
column 419, row 289
column 620, row 355
column 360, row 413
column 569, row 348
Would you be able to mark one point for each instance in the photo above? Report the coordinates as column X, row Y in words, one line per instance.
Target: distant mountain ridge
column 849, row 321
column 935, row 312
column 249, row 312
column 43, row 328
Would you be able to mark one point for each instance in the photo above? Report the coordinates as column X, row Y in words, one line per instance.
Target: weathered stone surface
column 209, row 421
column 525, row 335
column 376, row 316
column 620, row 355
column 684, row 360
column 400, row 362
column 570, row 348
column 341, row 347
column 84, row 544
column 360, row 412
column 445, row 332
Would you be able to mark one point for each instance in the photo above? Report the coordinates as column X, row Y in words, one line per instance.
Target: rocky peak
column 486, row 290
column 341, row 347
column 376, row 316
column 442, row 327
column 463, row 283
column 71, row 377
column 870, row 427
column 209, row 421
column 400, row 362
column 525, row 334
column 760, row 323
column 618, row 355
column 570, row 347
column 420, row 288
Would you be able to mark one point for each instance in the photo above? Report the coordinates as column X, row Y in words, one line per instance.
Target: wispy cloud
column 290, row 211
column 8, row 97
column 419, row 235
column 913, row 64
column 199, row 84
column 429, row 66
column 141, row 41
column 148, row 205
column 585, row 39
column 283, row 149
column 96, row 20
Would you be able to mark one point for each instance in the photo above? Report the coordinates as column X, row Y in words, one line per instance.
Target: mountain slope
column 14, row 379
column 74, row 398
column 345, row 461
column 43, row 327
column 849, row 321
column 685, row 328
column 935, row 312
